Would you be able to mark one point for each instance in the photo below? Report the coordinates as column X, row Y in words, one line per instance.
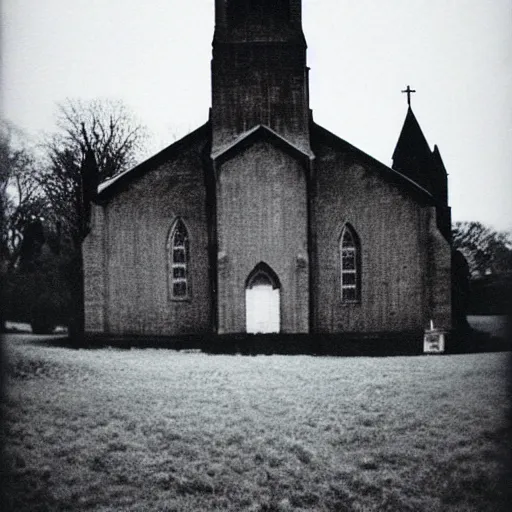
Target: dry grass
column 157, row 430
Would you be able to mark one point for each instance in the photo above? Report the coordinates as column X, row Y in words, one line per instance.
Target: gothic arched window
column 350, row 265
column 178, row 257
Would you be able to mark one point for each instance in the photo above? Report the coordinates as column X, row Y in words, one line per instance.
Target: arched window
column 178, row 256
column 350, row 265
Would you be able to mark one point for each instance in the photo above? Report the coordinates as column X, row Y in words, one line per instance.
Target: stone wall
column 260, row 83
column 439, row 270
column 137, row 222
column 262, row 217
column 399, row 279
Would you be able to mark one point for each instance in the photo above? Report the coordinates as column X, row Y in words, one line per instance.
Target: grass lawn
column 159, row 430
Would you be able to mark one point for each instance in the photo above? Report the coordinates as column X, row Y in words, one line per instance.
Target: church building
column 263, row 221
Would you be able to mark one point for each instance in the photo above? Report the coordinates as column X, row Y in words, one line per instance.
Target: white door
column 262, row 309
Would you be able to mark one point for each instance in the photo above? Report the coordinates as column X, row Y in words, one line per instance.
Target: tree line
column 45, row 196
column 488, row 258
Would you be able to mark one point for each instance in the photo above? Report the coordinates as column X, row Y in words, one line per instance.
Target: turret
column 413, row 158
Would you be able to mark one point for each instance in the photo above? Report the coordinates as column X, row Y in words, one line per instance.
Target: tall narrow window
column 350, row 266
column 178, row 254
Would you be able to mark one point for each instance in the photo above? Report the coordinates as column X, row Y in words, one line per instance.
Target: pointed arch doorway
column 262, row 301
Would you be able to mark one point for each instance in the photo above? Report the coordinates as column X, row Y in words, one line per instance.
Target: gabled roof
column 320, row 134
column 260, row 132
column 111, row 185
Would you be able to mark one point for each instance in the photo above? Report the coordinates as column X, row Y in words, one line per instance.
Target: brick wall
column 271, row 89
column 137, row 224
column 439, row 270
column 296, row 11
column 395, row 232
column 262, row 216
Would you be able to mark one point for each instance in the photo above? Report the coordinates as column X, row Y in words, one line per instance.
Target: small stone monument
column 433, row 340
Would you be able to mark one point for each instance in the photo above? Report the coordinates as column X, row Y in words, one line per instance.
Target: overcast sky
column 155, row 56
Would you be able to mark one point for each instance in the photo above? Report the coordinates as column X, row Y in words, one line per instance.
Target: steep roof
column 111, row 185
column 403, row 181
column 412, row 155
column 411, row 140
column 437, row 159
column 318, row 135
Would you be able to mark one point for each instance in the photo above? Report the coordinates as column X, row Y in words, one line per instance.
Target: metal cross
column 409, row 91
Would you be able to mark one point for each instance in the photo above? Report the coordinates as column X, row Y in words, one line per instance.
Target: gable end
column 257, row 134
column 320, row 135
column 114, row 185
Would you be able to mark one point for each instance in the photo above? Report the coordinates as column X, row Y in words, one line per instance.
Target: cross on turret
column 409, row 91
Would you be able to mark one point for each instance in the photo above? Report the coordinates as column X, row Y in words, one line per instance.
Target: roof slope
column 110, row 186
column 322, row 135
column 412, row 155
column 318, row 135
column 260, row 132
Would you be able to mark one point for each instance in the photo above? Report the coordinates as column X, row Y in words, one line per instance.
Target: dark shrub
column 45, row 313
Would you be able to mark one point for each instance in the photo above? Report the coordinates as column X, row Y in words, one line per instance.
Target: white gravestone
column 434, row 340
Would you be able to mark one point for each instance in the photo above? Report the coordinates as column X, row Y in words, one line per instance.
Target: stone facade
column 126, row 253
column 262, row 186
column 262, row 217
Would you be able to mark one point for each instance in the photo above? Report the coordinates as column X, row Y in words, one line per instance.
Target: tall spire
column 412, row 155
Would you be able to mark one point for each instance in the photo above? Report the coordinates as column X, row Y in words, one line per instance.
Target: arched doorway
column 262, row 301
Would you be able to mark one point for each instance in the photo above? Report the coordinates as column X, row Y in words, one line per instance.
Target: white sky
column 155, row 56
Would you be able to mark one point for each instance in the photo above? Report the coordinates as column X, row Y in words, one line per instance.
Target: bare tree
column 96, row 140
column 21, row 198
column 101, row 129
column 106, row 127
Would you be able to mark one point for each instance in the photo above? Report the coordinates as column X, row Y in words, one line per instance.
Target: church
column 262, row 221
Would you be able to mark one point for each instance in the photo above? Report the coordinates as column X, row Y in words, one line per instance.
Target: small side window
column 178, row 259
column 350, row 265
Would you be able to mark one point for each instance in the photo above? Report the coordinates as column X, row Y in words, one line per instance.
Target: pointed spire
column 413, row 158
column 441, row 176
column 437, row 158
column 412, row 155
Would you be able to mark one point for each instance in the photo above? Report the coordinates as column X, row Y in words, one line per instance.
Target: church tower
column 261, row 158
column 259, row 72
